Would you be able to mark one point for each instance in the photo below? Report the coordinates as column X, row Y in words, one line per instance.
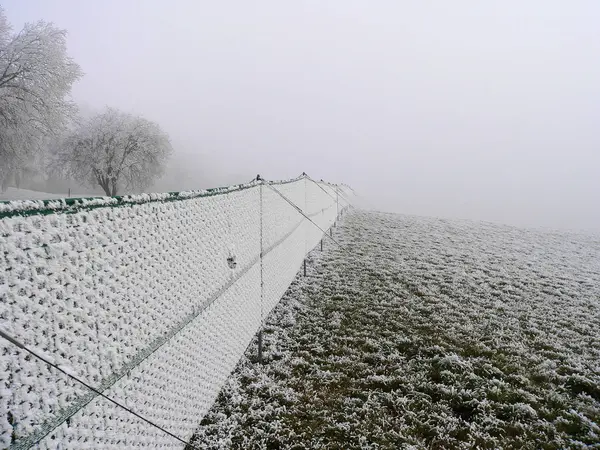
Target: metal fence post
column 262, row 282
column 337, row 201
column 306, row 210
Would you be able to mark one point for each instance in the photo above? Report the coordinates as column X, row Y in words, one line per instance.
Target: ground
column 12, row 193
column 425, row 333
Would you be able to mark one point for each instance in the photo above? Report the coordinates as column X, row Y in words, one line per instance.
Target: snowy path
column 433, row 334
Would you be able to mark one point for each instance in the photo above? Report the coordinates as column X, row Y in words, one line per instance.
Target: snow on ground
column 12, row 193
column 428, row 334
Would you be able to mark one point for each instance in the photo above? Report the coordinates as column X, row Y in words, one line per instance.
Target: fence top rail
column 18, row 208
column 292, row 180
column 71, row 205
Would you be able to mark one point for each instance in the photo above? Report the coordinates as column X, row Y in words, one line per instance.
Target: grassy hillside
column 425, row 333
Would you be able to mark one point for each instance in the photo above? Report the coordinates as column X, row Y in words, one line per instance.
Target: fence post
column 337, row 201
column 304, row 224
column 305, row 210
column 262, row 282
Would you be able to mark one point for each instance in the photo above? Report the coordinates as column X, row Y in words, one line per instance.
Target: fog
column 467, row 109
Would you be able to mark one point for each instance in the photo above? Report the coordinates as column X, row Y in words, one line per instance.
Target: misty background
column 465, row 109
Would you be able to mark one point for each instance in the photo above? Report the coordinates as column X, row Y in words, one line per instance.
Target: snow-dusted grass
column 12, row 193
column 428, row 334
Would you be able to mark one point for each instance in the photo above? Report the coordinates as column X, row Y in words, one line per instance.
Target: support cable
column 320, row 187
column 91, row 388
column 340, row 193
column 335, row 199
column 297, row 208
column 324, row 232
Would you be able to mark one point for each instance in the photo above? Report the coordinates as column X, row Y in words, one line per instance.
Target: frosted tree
column 116, row 151
column 36, row 76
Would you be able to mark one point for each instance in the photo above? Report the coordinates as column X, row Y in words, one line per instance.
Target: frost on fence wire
column 154, row 303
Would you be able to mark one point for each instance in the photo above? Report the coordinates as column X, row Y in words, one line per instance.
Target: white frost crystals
column 428, row 333
column 135, row 297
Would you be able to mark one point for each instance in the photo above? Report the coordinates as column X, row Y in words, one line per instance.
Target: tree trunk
column 114, row 187
column 104, row 185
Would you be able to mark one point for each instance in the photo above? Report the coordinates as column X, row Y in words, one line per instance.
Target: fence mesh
column 150, row 300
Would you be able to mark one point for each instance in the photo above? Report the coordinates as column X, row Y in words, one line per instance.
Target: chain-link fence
column 122, row 317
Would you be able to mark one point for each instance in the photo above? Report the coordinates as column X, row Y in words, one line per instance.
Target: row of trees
column 40, row 126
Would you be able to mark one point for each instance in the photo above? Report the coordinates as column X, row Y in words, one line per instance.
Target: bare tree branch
column 36, row 76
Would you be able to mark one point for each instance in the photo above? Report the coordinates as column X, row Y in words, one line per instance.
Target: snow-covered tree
column 36, row 76
column 115, row 150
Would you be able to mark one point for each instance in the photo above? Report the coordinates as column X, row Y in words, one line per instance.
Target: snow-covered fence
column 150, row 299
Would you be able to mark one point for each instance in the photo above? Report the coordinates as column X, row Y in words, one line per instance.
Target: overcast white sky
column 482, row 110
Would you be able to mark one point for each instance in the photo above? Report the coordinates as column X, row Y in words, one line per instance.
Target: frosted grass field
column 429, row 334
column 24, row 194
